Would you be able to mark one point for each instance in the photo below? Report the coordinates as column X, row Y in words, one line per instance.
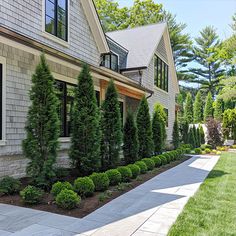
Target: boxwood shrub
column 59, row 186
column 198, row 150
column 100, row 180
column 142, row 166
column 114, row 176
column 31, row 195
column 163, row 160
column 9, row 185
column 68, row 199
column 168, row 157
column 84, row 186
column 149, row 162
column 126, row 173
column 157, row 161
column 135, row 169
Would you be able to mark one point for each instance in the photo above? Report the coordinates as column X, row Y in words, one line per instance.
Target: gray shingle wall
column 25, row 17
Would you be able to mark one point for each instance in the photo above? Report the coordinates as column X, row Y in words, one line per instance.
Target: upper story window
column 161, row 74
column 110, row 61
column 56, row 18
column 1, row 88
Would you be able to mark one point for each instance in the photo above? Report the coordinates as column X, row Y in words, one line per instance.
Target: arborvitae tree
column 42, row 127
column 185, row 132
column 162, row 114
column 202, row 135
column 198, row 109
column 195, row 135
column 188, row 109
column 85, row 137
column 198, row 137
column 192, row 139
column 131, row 146
column 218, row 110
column 158, row 134
column 180, row 102
column 144, row 130
column 111, row 128
column 208, row 111
column 175, row 134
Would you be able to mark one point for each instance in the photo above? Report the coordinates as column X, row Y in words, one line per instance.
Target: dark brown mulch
column 90, row 204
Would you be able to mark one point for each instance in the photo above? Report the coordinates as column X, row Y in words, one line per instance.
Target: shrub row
column 68, row 196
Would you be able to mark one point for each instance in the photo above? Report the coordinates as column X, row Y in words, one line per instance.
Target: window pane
column 107, row 61
column 69, row 106
column 50, row 9
column 62, row 4
column 163, row 75
column 159, row 73
column 50, row 25
column 155, row 71
column 114, row 62
column 61, row 31
column 1, row 78
column 166, row 78
column 61, row 16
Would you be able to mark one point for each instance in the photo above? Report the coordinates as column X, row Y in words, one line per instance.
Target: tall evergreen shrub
column 188, row 109
column 164, row 119
column 185, row 132
column 192, row 139
column 131, row 145
column 218, row 110
column 175, row 134
column 208, row 110
column 198, row 109
column 42, row 126
column 144, row 130
column 111, row 128
column 202, row 135
column 85, row 137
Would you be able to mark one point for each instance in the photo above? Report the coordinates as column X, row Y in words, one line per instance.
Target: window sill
column 161, row 90
column 65, row 140
column 3, row 142
column 55, row 39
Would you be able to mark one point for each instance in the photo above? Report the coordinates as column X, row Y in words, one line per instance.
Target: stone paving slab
column 148, row 210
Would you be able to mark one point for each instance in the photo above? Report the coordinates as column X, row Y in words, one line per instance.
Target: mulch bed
column 90, row 204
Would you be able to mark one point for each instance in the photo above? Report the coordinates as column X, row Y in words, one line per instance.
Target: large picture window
column 56, row 18
column 66, row 94
column 161, row 74
column 1, row 95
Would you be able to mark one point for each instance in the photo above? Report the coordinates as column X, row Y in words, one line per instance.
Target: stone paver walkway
column 148, row 210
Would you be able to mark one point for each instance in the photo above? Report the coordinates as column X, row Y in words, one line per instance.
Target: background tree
column 198, row 109
column 175, row 134
column 188, row 109
column 185, row 132
column 144, row 130
column 218, row 109
column 229, row 124
column 228, row 92
column 85, row 137
column 214, row 133
column 158, row 133
column 208, row 110
column 131, row 146
column 180, row 102
column 192, row 139
column 111, row 128
column 196, row 136
column 42, row 126
column 206, row 54
column 164, row 120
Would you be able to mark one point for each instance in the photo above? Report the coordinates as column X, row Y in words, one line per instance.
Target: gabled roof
column 141, row 43
column 95, row 25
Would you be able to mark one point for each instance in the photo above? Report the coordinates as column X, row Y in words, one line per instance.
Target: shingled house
column 69, row 32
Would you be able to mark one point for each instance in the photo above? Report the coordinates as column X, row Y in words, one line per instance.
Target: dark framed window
column 66, row 94
column 161, row 74
column 110, row 61
column 56, row 18
column 1, row 88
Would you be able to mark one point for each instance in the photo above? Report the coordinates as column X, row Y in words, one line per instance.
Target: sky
column 199, row 13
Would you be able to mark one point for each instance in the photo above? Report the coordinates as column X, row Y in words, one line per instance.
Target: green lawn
column 212, row 211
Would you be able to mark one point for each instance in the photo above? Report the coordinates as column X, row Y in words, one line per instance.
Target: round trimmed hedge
column 31, row 195
column 126, row 173
column 68, row 199
column 149, row 162
column 84, row 186
column 142, row 166
column 100, row 180
column 114, row 176
column 163, row 160
column 156, row 160
column 168, row 157
column 59, row 186
column 135, row 169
